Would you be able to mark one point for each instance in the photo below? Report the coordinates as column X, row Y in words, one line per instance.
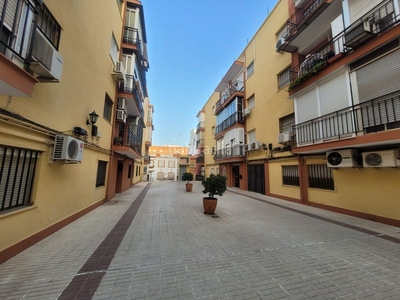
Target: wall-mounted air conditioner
column 247, row 147
column 280, row 45
column 119, row 71
column 122, row 104
column 255, row 145
column 68, row 149
column 359, row 34
column 46, row 62
column 284, row 137
column 246, row 112
column 381, row 159
column 342, row 158
column 121, row 115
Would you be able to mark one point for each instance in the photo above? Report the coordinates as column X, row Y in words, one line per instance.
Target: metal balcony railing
column 199, row 143
column 370, row 116
column 200, row 159
column 128, row 136
column 303, row 12
column 381, row 18
column 131, row 36
column 230, row 152
column 237, row 86
column 236, row 117
column 200, row 125
column 131, row 86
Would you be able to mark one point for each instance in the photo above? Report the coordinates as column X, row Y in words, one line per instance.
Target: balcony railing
column 370, row 116
column 131, row 86
column 381, row 18
column 237, row 86
column 131, row 36
column 200, row 143
column 236, row 117
column 230, row 152
column 200, row 125
column 305, row 11
column 200, row 159
column 127, row 136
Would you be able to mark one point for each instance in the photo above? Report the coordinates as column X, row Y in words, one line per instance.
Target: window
column 171, row 164
column 320, row 177
column 284, row 78
column 251, row 102
column 161, row 163
column 251, row 136
column 17, row 172
column 101, row 173
column 107, row 108
column 250, row 69
column 114, row 50
column 290, row 175
column 286, row 123
column 49, row 26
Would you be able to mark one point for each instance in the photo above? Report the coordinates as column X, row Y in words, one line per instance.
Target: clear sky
column 191, row 45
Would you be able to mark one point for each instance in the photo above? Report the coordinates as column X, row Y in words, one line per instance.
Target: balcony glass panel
column 229, row 152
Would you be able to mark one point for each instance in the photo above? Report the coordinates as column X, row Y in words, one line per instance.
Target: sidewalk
column 255, row 247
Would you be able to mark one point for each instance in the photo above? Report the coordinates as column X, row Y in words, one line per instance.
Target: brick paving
column 255, row 247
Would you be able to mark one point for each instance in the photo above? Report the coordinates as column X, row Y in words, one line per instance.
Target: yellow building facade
column 53, row 161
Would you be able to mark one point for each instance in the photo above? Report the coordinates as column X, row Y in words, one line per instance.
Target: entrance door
column 256, row 178
column 120, row 168
column 235, row 173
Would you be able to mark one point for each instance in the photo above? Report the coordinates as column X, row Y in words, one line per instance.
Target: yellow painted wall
column 270, row 104
column 368, row 190
column 210, row 122
column 62, row 190
column 275, row 179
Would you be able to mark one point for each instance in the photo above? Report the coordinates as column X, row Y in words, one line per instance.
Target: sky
column 191, row 45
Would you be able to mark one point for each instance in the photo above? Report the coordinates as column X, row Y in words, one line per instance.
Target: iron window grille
column 320, row 177
column 290, row 175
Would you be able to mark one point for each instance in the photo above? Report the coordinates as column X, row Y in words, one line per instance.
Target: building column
column 303, row 177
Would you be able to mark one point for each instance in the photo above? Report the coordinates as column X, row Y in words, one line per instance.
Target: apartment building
column 343, row 81
column 131, row 126
column 56, row 101
column 168, row 162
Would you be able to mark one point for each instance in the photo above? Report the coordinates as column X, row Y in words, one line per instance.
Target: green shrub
column 214, row 185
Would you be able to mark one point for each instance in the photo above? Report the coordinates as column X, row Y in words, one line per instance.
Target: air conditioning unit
column 122, row 104
column 46, row 62
column 280, row 45
column 121, row 115
column 247, row 147
column 119, row 71
column 68, row 149
column 284, row 137
column 342, row 158
column 255, row 145
column 381, row 159
column 246, row 112
column 359, row 34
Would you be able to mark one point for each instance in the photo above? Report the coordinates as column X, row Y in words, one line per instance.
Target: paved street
column 255, row 247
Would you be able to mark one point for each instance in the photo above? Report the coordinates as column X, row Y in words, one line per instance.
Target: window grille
column 286, row 123
column 108, row 103
column 320, row 177
column 284, row 78
column 290, row 175
column 17, row 172
column 49, row 26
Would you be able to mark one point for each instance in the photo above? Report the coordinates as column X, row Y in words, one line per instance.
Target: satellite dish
column 335, row 158
column 373, row 159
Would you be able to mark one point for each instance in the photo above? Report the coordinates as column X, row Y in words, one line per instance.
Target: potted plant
column 213, row 185
column 188, row 177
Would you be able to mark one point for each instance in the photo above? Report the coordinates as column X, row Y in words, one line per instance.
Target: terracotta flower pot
column 209, row 205
column 189, row 187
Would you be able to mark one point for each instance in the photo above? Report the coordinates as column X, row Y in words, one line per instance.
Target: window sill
column 17, row 211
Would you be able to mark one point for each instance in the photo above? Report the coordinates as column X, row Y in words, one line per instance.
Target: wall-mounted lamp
column 264, row 146
column 92, row 120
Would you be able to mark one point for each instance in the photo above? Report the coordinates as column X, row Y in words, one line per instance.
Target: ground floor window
column 290, row 175
column 320, row 177
column 101, row 173
column 17, row 172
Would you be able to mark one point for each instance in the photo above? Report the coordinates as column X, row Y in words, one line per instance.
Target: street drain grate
column 214, row 216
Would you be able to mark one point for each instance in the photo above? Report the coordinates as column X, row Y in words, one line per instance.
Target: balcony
column 200, row 127
column 235, row 118
column 309, row 24
column 367, row 117
column 236, row 89
column 131, row 36
column 200, row 159
column 127, row 141
column 131, row 87
column 375, row 22
column 200, row 144
column 230, row 152
column 15, row 80
column 184, row 161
